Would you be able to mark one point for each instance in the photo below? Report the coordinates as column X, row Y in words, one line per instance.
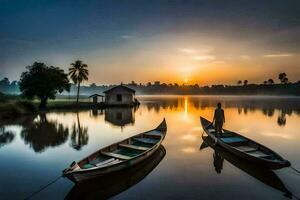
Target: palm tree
column 78, row 73
column 239, row 82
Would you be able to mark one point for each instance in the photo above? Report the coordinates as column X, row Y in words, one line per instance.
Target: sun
column 186, row 79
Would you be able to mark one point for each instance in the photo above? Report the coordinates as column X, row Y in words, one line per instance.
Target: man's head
column 219, row 105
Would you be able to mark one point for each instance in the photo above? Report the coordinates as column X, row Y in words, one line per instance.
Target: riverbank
column 17, row 108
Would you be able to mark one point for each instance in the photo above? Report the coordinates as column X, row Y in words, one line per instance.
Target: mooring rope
column 296, row 170
column 42, row 188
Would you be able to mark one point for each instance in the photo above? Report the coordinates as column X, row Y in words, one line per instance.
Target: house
column 95, row 98
column 120, row 96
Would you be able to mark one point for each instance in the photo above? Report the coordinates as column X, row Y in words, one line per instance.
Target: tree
column 265, row 82
column 283, row 78
column 271, row 81
column 239, row 82
column 43, row 82
column 78, row 73
column 4, row 85
column 245, row 82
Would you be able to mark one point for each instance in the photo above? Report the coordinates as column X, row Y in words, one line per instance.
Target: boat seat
column 134, row 147
column 246, row 148
column 147, row 140
column 233, row 139
column 114, row 161
column 154, row 133
column 97, row 161
column 115, row 155
column 259, row 154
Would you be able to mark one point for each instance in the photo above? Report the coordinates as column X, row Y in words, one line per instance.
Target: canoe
column 118, row 156
column 110, row 185
column 263, row 174
column 245, row 147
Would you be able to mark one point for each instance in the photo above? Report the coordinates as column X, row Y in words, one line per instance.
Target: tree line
column 46, row 82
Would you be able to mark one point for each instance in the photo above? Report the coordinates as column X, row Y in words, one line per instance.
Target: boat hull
column 263, row 162
column 81, row 176
column 76, row 173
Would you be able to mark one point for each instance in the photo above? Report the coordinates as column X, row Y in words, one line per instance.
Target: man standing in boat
column 219, row 119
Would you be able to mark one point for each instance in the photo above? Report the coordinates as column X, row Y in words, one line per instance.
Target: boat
column 117, row 156
column 110, row 185
column 245, row 148
column 263, row 174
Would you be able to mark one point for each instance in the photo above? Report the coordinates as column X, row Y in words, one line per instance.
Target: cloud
column 204, row 57
column 246, row 57
column 125, row 36
column 277, row 55
column 187, row 50
column 219, row 62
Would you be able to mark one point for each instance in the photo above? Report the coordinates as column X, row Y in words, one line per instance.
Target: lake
column 35, row 149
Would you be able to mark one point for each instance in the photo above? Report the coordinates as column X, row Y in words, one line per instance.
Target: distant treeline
column 266, row 88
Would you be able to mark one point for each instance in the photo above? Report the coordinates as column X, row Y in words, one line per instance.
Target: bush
column 27, row 106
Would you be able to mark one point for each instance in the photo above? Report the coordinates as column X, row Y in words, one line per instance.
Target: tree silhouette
column 271, row 81
column 5, row 136
column 239, row 82
column 245, row 82
column 43, row 82
column 78, row 73
column 265, row 82
column 42, row 134
column 283, row 78
column 79, row 135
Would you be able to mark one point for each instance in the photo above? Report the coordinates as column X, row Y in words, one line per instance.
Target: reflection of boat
column 263, row 174
column 117, row 156
column 245, row 148
column 115, row 183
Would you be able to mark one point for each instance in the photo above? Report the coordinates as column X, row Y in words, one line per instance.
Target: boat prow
column 118, row 156
column 245, row 147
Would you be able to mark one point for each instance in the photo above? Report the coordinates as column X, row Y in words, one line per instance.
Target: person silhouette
column 218, row 162
column 219, row 119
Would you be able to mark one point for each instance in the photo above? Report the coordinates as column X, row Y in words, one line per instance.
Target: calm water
column 35, row 149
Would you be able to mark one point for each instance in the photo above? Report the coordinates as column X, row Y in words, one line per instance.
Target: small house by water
column 120, row 96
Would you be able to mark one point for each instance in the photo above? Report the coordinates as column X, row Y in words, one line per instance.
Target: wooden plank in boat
column 259, row 154
column 115, row 155
column 229, row 140
column 246, row 148
column 146, row 140
column 154, row 133
column 134, row 147
column 98, row 161
column 115, row 161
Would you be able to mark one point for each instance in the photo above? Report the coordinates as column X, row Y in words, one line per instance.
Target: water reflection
column 264, row 175
column 120, row 116
column 79, row 135
column 244, row 105
column 6, row 136
column 113, row 184
column 42, row 133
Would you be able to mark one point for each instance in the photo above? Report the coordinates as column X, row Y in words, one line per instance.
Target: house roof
column 119, row 86
column 95, row 95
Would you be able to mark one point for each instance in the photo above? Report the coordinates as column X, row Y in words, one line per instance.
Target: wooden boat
column 263, row 174
column 112, row 184
column 245, row 147
column 118, row 156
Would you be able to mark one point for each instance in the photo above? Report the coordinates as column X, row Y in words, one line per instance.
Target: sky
column 184, row 41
